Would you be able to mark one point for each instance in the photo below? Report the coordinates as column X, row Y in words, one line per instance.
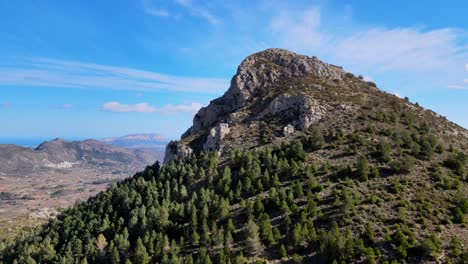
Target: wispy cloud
column 156, row 8
column 457, row 87
column 401, row 49
column 147, row 108
column 406, row 49
column 72, row 74
column 6, row 104
column 299, row 30
column 66, row 106
column 153, row 10
column 126, row 108
column 466, row 67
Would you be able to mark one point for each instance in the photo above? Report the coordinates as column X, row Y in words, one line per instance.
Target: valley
column 36, row 184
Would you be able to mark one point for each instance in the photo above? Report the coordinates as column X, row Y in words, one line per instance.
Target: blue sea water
column 26, row 142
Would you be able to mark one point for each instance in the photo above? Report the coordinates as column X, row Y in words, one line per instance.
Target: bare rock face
column 175, row 149
column 256, row 73
column 309, row 110
column 215, row 137
column 288, row 130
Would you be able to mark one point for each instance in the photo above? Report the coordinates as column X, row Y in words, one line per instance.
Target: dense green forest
column 272, row 203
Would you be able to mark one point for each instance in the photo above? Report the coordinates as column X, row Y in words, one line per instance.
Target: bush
column 362, row 168
column 402, row 165
column 297, row 259
column 384, row 151
column 456, row 162
column 315, row 141
column 431, row 247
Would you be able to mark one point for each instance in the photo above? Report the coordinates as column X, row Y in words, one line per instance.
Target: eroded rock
column 174, row 149
column 288, row 130
column 309, row 110
column 214, row 140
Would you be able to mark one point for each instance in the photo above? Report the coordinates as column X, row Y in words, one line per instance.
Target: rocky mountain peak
column 254, row 75
column 267, row 67
column 277, row 95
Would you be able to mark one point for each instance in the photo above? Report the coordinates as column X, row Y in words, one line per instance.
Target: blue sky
column 92, row 69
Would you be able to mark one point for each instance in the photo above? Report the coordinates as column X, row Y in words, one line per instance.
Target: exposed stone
column 215, row 137
column 255, row 74
column 288, row 130
column 344, row 107
column 310, row 110
column 174, row 149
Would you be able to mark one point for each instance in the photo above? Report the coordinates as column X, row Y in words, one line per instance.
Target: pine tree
column 254, row 244
column 362, row 169
column 141, row 255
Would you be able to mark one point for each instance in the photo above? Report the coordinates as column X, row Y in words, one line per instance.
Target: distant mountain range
column 62, row 154
column 34, row 182
column 155, row 142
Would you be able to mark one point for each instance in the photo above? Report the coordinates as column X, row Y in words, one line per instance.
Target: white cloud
column 183, row 108
column 465, row 81
column 368, row 79
column 457, row 87
column 397, row 94
column 299, row 30
column 197, row 10
column 71, row 74
column 125, row 108
column 146, row 108
column 406, row 49
column 151, row 10
column 466, row 67
column 66, row 106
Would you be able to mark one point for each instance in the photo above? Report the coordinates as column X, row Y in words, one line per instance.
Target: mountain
column 154, row 142
column 56, row 174
column 298, row 162
column 62, row 154
column 276, row 92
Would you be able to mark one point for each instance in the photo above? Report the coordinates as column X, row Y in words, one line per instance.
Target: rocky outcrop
column 255, row 74
column 288, row 130
column 308, row 109
column 214, row 140
column 174, row 149
column 255, row 77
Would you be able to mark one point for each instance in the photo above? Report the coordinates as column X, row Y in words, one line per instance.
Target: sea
column 28, row 142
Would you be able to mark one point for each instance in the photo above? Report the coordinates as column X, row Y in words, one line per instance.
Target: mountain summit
column 276, row 92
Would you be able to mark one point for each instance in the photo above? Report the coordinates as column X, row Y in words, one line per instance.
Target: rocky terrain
column 277, row 92
column 34, row 183
column 298, row 162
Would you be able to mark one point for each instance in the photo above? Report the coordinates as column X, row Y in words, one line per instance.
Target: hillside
column 34, row 183
column 298, row 162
